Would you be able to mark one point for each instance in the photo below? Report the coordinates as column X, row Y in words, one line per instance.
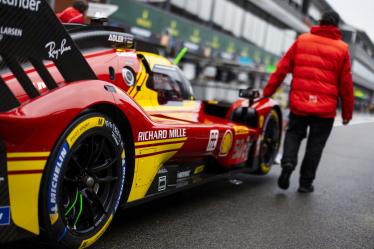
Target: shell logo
column 226, row 143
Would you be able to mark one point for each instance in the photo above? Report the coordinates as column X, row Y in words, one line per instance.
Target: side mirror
column 250, row 94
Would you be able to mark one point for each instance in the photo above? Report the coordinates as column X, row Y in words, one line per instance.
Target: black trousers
column 319, row 132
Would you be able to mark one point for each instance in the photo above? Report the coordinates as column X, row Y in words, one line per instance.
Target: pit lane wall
column 149, row 22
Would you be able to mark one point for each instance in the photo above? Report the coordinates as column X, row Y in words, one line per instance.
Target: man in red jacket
column 74, row 14
column 320, row 64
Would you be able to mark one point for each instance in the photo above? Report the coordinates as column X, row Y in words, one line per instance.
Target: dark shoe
column 284, row 179
column 305, row 189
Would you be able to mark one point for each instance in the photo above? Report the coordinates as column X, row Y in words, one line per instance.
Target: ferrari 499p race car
column 89, row 125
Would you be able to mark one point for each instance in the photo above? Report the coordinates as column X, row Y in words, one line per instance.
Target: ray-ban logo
column 54, row 52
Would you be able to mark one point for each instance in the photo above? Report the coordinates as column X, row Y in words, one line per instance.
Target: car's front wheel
column 83, row 182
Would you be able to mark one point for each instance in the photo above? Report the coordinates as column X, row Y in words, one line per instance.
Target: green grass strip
column 72, row 205
column 80, row 209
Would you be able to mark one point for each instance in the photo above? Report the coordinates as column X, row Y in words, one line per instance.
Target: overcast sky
column 359, row 13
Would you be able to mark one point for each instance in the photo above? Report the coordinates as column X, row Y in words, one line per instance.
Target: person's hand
column 345, row 121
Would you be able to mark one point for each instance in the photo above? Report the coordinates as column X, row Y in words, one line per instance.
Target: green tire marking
column 72, row 205
column 80, row 209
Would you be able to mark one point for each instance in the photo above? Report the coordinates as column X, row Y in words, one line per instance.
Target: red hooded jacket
column 320, row 64
column 71, row 15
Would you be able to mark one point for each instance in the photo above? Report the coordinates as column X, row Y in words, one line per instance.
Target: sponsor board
column 54, row 182
column 226, row 143
column 183, row 174
column 162, row 182
column 241, row 149
column 83, row 127
column 117, row 38
column 161, row 134
column 213, row 140
column 31, row 5
column 10, row 31
column 55, row 52
column 4, row 216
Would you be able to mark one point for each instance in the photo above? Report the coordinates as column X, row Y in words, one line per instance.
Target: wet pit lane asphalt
column 256, row 214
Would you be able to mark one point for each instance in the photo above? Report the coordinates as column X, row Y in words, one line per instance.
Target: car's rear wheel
column 270, row 142
column 83, row 182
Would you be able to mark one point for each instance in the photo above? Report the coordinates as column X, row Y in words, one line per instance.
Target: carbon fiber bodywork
column 7, row 232
column 21, row 44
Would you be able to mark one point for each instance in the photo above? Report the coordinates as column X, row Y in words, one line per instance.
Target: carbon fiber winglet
column 31, row 32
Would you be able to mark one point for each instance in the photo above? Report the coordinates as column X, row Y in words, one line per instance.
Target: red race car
column 88, row 124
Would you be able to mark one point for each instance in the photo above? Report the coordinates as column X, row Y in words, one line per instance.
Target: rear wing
column 30, row 32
